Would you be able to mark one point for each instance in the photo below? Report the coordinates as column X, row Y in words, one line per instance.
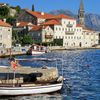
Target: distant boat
column 37, row 50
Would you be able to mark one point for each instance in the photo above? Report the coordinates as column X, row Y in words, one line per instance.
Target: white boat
column 29, row 89
column 37, row 50
column 26, row 88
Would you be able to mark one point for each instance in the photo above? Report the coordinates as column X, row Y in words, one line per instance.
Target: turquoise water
column 81, row 69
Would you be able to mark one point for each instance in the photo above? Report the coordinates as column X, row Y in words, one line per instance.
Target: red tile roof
column 22, row 24
column 36, row 28
column 60, row 16
column 51, row 22
column 40, row 14
column 4, row 24
column 78, row 25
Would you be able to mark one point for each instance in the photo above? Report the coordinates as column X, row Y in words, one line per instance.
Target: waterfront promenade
column 23, row 50
column 14, row 51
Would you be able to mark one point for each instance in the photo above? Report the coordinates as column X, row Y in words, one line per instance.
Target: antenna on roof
column 42, row 13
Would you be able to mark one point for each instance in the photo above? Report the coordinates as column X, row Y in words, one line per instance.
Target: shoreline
column 78, row 48
column 13, row 54
column 55, row 48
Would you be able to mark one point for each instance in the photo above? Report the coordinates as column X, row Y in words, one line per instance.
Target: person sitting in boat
column 13, row 63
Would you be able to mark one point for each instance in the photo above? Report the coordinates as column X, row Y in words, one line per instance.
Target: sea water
column 81, row 70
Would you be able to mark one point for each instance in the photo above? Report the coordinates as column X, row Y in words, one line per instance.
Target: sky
column 91, row 6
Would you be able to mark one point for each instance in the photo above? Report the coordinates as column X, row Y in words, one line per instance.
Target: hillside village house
column 22, row 27
column 34, row 17
column 5, row 35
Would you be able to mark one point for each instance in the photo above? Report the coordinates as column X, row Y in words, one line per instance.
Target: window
column 69, row 22
column 0, row 37
column 87, row 34
column 74, row 37
column 56, row 28
column 0, row 44
column 8, row 29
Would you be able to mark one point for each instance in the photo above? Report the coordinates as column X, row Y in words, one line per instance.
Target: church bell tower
column 81, row 15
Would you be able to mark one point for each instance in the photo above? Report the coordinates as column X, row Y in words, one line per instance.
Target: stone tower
column 33, row 9
column 81, row 15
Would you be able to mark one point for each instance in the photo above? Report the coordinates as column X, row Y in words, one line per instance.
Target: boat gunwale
column 31, row 87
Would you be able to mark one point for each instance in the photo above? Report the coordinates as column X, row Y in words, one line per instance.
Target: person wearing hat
column 13, row 63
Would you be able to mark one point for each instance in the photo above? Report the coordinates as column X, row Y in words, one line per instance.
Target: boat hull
column 30, row 90
column 37, row 52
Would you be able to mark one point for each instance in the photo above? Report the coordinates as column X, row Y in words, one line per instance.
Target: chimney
column 42, row 13
column 4, row 20
column 17, row 23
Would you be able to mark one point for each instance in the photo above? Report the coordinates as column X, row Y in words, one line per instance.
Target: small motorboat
column 37, row 50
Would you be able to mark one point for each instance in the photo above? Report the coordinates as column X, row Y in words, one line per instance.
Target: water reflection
column 35, row 97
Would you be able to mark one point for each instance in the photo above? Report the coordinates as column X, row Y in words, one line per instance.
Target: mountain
column 91, row 20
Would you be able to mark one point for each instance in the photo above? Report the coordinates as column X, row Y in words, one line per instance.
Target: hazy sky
column 91, row 6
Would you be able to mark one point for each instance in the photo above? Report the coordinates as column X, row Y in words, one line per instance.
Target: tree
column 27, row 39
column 15, row 37
column 4, row 11
column 18, row 9
column 11, row 20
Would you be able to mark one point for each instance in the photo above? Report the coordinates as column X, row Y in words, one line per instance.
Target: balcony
column 69, row 25
column 48, row 36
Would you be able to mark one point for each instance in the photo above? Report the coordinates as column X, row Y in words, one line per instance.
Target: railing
column 69, row 25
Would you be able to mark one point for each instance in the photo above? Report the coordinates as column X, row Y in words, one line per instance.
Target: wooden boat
column 27, row 88
column 37, row 50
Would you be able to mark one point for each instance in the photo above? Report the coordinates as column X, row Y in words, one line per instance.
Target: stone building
column 5, row 35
